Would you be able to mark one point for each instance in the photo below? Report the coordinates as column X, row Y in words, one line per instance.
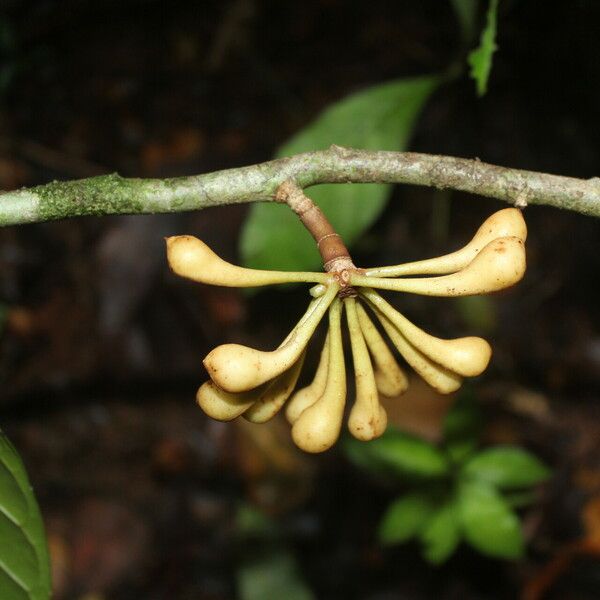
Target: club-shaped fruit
column 308, row 395
column 224, row 406
column 257, row 383
column 439, row 378
column 389, row 377
column 368, row 418
column 237, row 368
column 466, row 356
column 498, row 266
column 191, row 258
column 508, row 222
column 273, row 398
column 318, row 426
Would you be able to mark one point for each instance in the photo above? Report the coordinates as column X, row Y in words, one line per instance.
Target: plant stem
column 334, row 253
column 112, row 194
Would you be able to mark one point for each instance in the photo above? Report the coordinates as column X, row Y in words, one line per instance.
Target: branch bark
column 112, row 194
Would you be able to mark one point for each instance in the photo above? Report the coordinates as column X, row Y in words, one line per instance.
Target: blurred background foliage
column 142, row 495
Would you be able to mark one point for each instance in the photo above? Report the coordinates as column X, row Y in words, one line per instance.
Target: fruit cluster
column 256, row 384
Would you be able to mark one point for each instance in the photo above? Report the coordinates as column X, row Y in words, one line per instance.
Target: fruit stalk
column 335, row 255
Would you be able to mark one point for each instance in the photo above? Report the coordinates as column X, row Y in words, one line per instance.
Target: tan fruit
column 439, row 378
column 389, row 377
column 498, row 266
column 368, row 418
column 508, row 222
column 308, row 395
column 273, row 398
column 466, row 356
column 191, row 258
column 237, row 368
column 222, row 405
column 318, row 426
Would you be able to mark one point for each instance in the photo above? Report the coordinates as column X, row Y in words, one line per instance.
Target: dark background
column 101, row 351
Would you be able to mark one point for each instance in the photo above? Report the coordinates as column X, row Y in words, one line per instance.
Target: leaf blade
column 24, row 561
column 378, row 118
column 408, row 455
column 441, row 535
column 404, row 518
column 489, row 525
column 480, row 59
column 506, row 467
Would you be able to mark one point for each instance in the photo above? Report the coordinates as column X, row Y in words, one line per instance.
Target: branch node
column 326, row 237
column 341, row 151
column 521, row 200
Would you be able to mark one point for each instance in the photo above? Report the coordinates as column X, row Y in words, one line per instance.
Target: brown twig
column 335, row 255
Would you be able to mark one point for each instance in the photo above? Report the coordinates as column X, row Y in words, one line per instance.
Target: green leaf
column 274, row 575
column 24, row 561
column 462, row 426
column 506, row 467
column 441, row 535
column 480, row 59
column 404, row 518
column 378, row 118
column 408, row 455
column 488, row 523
